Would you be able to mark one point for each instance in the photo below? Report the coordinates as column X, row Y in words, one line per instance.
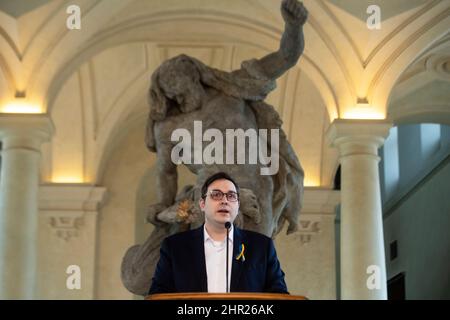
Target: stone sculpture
column 185, row 92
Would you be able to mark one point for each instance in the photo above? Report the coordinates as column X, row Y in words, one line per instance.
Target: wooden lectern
column 224, row 296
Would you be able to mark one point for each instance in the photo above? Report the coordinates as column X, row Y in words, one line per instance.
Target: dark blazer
column 182, row 267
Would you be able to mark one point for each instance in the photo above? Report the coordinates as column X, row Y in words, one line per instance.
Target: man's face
column 217, row 212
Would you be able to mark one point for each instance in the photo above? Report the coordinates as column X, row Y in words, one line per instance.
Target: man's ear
column 201, row 203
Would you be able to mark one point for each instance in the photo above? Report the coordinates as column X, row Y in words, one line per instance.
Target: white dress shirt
column 215, row 257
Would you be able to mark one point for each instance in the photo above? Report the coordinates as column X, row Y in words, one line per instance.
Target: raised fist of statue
column 293, row 12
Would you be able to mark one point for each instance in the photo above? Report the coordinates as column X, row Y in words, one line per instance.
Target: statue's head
column 176, row 83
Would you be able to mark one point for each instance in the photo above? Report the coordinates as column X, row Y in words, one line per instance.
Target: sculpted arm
column 292, row 42
column 167, row 175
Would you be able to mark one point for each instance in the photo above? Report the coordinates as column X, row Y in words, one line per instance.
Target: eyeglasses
column 217, row 195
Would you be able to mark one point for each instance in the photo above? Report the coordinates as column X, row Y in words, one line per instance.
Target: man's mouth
column 223, row 210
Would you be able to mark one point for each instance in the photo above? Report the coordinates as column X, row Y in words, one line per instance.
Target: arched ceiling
column 422, row 93
column 103, row 70
column 18, row 8
column 390, row 8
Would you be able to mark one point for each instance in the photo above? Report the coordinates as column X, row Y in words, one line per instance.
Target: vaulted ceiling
column 93, row 81
column 18, row 8
column 389, row 8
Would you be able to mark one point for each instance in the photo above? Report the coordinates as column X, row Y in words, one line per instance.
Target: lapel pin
column 241, row 254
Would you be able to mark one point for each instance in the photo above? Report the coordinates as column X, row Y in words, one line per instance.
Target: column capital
column 319, row 200
column 27, row 131
column 362, row 137
column 72, row 197
column 347, row 130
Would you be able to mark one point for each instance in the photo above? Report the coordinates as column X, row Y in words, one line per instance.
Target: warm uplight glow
column 363, row 111
column 20, row 105
column 311, row 182
column 68, row 179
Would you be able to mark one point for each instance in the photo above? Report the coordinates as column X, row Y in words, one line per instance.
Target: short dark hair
column 217, row 176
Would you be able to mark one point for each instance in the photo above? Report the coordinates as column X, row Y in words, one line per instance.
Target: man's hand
column 293, row 12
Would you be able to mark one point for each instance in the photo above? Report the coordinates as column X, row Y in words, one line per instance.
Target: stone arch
column 428, row 68
column 412, row 45
column 9, row 65
column 232, row 31
column 137, row 31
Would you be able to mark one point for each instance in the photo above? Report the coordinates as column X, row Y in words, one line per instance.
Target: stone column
column 363, row 268
column 21, row 136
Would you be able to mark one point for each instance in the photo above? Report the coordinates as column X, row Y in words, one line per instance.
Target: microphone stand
column 227, row 226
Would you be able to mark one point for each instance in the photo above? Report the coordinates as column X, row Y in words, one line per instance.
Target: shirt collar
column 207, row 237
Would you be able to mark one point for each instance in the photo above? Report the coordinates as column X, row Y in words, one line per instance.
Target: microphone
column 227, row 226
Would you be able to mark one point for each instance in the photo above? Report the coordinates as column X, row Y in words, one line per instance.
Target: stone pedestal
column 308, row 255
column 363, row 268
column 68, row 235
column 21, row 136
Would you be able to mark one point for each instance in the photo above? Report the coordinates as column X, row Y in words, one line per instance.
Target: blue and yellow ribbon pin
column 241, row 254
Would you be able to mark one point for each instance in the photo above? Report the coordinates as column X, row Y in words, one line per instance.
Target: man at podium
column 196, row 260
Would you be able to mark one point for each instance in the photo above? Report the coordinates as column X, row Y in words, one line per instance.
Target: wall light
column 21, row 105
column 363, row 110
column 311, row 181
column 67, row 179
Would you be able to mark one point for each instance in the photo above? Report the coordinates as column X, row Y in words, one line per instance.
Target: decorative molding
column 439, row 65
column 343, row 31
column 328, row 42
column 406, row 113
column 293, row 104
column 10, row 43
column 355, row 136
column 93, row 97
column 407, row 22
column 71, row 197
column 430, row 67
column 439, row 46
column 319, row 204
column 320, row 201
column 65, row 207
column 402, row 48
column 309, row 226
column 44, row 26
column 65, row 225
column 25, row 131
column 331, row 106
column 56, row 41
